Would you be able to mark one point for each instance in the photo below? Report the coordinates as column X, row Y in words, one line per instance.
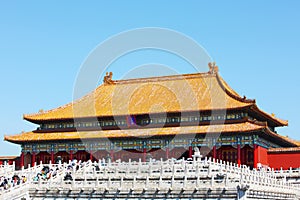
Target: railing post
column 209, row 170
column 150, row 168
column 73, row 183
column 198, row 182
column 159, row 183
column 108, row 182
column 197, row 170
column 147, row 182
column 241, row 178
column 185, row 169
column 184, row 183
column 212, row 181
column 121, row 183
column 40, row 182
column 59, row 163
column 97, row 182
column 161, row 170
column 134, row 182
column 173, row 170
column 116, row 171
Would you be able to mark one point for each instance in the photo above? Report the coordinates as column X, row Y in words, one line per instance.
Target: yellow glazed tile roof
column 247, row 126
column 178, row 93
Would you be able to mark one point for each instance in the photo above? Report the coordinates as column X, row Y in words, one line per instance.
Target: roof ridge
column 162, row 78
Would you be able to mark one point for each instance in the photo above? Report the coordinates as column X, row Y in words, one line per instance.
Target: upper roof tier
column 177, row 93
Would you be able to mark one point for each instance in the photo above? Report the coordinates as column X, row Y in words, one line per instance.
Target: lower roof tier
column 243, row 127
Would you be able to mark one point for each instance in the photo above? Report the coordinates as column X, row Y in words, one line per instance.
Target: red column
column 71, row 154
column 255, row 155
column 112, row 155
column 214, row 152
column 22, row 159
column 190, row 151
column 167, row 153
column 91, row 155
column 239, row 154
column 33, row 159
column 144, row 154
column 219, row 154
column 52, row 157
column 243, row 160
column 41, row 158
column 171, row 153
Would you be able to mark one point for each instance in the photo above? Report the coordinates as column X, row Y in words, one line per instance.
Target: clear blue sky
column 256, row 45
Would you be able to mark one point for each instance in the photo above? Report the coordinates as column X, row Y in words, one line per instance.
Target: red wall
column 284, row 160
column 262, row 156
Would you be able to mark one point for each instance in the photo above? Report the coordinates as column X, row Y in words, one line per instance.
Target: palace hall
column 159, row 117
